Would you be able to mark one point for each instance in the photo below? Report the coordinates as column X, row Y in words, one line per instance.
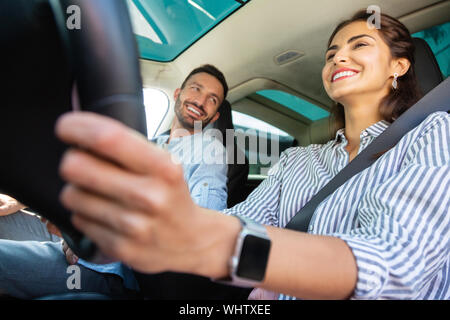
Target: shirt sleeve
column 262, row 205
column 207, row 179
column 208, row 186
column 403, row 240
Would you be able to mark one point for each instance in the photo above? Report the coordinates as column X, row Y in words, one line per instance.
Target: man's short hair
column 212, row 70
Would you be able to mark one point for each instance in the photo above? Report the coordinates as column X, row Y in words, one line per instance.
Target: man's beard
column 185, row 123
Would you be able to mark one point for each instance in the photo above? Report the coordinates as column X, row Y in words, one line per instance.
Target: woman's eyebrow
column 351, row 40
column 359, row 36
column 332, row 48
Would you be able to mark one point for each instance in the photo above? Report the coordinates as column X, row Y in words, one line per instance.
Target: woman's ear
column 401, row 66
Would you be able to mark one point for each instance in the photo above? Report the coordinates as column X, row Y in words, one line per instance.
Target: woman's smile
column 343, row 73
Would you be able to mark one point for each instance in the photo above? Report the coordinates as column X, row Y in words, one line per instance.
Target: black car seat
column 237, row 172
column 428, row 73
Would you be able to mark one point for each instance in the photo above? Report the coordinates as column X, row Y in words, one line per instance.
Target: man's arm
column 207, row 180
column 208, row 186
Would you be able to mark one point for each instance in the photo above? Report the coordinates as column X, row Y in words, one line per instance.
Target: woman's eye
column 360, row 44
column 330, row 56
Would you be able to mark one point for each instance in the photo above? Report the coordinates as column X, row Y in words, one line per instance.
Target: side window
column 297, row 104
column 263, row 142
column 156, row 107
column 438, row 38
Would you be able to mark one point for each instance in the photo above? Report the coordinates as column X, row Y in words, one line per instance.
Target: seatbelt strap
column 437, row 99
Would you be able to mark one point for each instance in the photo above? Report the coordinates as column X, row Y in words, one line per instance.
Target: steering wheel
column 61, row 55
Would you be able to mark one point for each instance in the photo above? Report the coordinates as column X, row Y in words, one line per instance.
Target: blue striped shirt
column 394, row 215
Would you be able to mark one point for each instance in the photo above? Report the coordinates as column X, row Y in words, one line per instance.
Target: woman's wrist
column 222, row 231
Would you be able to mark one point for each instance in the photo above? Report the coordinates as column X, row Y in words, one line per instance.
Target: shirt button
column 311, row 228
column 365, row 133
column 205, row 184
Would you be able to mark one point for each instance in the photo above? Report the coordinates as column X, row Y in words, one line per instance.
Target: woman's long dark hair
column 400, row 43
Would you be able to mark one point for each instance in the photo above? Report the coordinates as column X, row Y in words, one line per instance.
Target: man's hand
column 131, row 199
column 51, row 228
column 9, row 205
column 70, row 256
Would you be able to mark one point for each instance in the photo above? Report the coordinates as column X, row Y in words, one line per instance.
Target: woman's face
column 358, row 64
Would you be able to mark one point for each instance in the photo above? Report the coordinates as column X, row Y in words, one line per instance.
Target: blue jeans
column 36, row 268
column 32, row 269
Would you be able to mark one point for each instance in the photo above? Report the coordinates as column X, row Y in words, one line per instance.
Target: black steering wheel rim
column 41, row 50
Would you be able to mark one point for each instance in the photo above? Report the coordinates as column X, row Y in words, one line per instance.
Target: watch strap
column 248, row 227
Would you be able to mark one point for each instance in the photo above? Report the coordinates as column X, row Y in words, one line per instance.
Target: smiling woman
column 373, row 59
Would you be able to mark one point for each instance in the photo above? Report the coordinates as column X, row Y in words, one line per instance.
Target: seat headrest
column 225, row 120
column 428, row 73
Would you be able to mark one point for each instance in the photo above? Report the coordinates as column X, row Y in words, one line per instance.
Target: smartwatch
column 249, row 261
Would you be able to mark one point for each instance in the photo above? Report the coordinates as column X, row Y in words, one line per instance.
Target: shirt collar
column 374, row 131
column 161, row 139
column 164, row 137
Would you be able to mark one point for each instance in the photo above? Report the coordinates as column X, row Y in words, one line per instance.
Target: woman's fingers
column 103, row 178
column 138, row 170
column 126, row 194
column 110, row 242
column 106, row 212
column 113, row 141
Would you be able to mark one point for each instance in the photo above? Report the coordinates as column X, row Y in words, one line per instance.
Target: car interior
column 278, row 57
column 271, row 52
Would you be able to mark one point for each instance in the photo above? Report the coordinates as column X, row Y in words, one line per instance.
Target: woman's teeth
column 343, row 74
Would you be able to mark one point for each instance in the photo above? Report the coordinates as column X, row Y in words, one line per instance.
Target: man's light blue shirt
column 205, row 171
column 203, row 158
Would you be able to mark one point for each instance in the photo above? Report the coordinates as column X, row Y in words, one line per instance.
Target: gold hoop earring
column 394, row 82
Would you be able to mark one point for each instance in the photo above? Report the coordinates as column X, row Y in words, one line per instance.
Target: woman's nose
column 340, row 57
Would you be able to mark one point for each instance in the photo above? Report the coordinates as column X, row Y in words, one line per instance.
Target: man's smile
column 194, row 111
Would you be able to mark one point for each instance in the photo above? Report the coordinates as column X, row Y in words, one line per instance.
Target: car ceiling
column 245, row 44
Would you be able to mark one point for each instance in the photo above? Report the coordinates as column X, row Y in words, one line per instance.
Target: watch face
column 253, row 259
